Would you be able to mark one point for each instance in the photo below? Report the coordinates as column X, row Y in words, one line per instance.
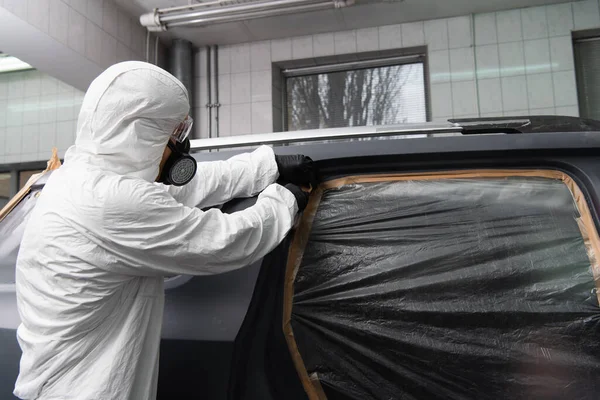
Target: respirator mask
column 180, row 167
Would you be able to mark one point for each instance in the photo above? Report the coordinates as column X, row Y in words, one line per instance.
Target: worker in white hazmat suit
column 103, row 236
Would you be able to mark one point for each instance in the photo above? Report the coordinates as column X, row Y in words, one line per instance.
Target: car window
column 25, row 175
column 477, row 285
column 4, row 188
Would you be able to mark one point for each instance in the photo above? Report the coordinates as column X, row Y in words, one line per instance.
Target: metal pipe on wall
column 181, row 66
column 215, row 89
column 208, row 104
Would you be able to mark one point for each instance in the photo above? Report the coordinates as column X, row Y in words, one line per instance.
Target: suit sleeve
column 160, row 236
column 217, row 182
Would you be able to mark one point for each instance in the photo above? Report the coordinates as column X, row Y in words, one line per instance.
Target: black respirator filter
column 180, row 167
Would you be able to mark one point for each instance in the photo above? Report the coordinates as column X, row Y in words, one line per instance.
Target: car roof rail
column 454, row 127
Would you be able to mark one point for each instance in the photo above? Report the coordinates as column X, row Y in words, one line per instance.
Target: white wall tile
column 14, row 113
column 509, row 26
column 485, row 29
column 110, row 18
column 109, row 50
column 124, row 28
column 224, row 60
column 281, row 50
column 543, row 111
column 367, row 40
column 240, row 88
column 561, row 53
column 261, row 86
column 262, row 117
column 49, row 85
column 540, row 92
column 123, row 52
column 535, row 25
column 14, row 137
column 3, row 111
column 323, row 44
column 95, row 11
column 65, row 134
column 47, row 139
column 565, row 88
column 464, row 98
column 93, row 41
column 441, row 100
column 514, row 93
column 76, row 39
column 138, row 40
column 260, row 56
column 16, row 86
column 241, row 119
column 31, row 110
column 225, row 120
column 37, row 14
column 33, row 84
column 490, row 96
column 344, row 42
column 48, row 112
column 537, row 56
column 200, row 91
column 413, row 34
column 459, row 32
column 462, row 64
column 200, row 61
column 571, row 111
column 79, row 5
column 224, row 89
column 390, row 37
column 17, row 7
column 302, row 47
column 560, row 19
column 30, row 143
column 517, row 113
column 240, row 58
column 3, row 86
column 439, row 66
column 586, row 14
column 512, row 59
column 488, row 61
column 436, row 34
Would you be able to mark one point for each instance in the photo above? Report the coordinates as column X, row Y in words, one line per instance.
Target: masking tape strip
column 311, row 384
column 53, row 163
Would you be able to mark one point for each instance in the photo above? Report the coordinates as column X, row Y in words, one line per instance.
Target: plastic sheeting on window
column 473, row 285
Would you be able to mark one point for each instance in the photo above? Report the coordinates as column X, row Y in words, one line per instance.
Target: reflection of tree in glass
column 350, row 98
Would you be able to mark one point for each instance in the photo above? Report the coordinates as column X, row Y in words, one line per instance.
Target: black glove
column 297, row 169
column 300, row 195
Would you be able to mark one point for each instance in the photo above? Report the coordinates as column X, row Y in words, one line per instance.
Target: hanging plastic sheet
column 468, row 285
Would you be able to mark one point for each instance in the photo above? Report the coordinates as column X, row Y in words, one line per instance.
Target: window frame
column 327, row 65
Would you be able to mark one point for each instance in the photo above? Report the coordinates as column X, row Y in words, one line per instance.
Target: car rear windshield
column 467, row 285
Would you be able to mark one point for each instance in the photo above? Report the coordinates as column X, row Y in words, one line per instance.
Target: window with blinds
column 587, row 68
column 371, row 93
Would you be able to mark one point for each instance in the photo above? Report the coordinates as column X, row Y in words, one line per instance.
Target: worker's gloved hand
column 300, row 195
column 297, row 169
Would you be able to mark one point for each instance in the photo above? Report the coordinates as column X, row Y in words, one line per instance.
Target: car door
column 265, row 365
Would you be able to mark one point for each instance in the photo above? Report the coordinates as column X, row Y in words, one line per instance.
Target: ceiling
column 364, row 14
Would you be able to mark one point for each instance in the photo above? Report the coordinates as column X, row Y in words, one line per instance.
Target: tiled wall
column 97, row 29
column 37, row 112
column 512, row 62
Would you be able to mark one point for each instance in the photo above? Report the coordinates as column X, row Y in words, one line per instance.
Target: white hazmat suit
column 103, row 235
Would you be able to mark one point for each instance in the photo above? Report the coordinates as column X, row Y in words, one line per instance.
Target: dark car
column 454, row 260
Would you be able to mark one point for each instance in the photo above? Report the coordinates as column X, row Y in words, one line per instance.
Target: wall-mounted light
column 11, row 64
column 222, row 11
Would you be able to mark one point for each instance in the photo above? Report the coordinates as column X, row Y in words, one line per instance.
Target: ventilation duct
column 215, row 12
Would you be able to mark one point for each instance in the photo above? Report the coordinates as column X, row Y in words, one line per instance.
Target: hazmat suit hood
column 126, row 118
